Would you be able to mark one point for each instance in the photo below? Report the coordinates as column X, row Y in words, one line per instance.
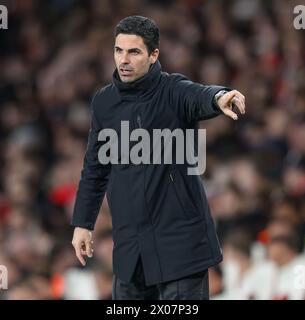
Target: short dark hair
column 140, row 26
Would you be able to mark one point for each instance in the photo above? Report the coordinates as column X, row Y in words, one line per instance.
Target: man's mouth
column 126, row 71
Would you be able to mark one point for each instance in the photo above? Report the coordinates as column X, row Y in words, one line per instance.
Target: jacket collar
column 140, row 86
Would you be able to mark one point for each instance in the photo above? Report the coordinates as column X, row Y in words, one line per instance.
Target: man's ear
column 154, row 56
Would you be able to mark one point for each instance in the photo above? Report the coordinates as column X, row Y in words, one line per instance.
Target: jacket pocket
column 186, row 202
column 110, row 190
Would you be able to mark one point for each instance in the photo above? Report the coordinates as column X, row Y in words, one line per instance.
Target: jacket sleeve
column 194, row 101
column 93, row 181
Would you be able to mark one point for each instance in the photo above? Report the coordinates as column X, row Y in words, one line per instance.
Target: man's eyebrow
column 134, row 49
column 129, row 50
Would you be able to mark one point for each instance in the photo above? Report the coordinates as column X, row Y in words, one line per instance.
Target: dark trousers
column 193, row 287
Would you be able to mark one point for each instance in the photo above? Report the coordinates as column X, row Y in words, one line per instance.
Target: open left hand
column 229, row 100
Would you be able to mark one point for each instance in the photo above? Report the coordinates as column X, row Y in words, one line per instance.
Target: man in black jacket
column 163, row 233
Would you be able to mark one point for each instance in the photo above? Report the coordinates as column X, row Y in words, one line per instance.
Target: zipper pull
column 171, row 177
column 139, row 121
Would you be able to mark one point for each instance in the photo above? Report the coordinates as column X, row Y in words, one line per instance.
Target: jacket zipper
column 139, row 121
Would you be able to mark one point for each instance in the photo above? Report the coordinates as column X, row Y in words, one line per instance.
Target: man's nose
column 125, row 58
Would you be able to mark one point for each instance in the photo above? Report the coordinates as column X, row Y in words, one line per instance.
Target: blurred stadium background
column 53, row 57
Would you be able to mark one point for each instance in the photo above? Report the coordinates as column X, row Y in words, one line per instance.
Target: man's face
column 131, row 57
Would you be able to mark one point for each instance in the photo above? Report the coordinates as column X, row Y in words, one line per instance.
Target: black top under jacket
column 158, row 210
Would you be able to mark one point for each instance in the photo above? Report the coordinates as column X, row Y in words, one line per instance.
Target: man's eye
column 135, row 53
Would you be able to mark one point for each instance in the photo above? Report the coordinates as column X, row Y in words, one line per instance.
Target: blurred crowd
column 57, row 53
